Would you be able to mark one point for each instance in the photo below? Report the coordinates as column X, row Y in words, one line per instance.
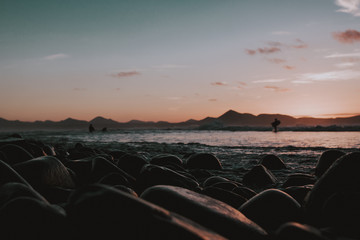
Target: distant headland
column 230, row 120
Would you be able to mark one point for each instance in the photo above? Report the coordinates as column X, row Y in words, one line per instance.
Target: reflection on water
column 218, row 138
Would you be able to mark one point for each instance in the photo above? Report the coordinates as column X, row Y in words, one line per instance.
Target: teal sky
column 176, row 60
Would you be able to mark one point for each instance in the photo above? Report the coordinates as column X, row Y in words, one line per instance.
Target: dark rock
column 49, row 150
column 43, row 172
column 326, row 159
column 12, row 190
column 155, row 175
column 213, row 179
column 205, row 210
column 29, row 218
column 272, row 162
column 224, row 195
column 298, row 231
column 298, row 180
column 95, row 169
column 260, row 177
column 164, row 159
column 203, row 161
column 56, row 195
column 8, row 174
column 244, row 192
column 15, row 154
column 132, row 164
column 298, row 192
column 272, row 208
column 342, row 177
column 103, row 212
column 114, row 178
column 341, row 211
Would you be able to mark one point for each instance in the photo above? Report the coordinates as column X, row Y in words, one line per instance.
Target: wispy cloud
column 345, row 65
column 56, row 56
column 271, row 80
column 125, row 74
column 330, row 76
column 219, row 83
column 242, row 83
column 277, row 89
column 343, row 55
column 212, row 100
column 349, row 36
column 349, row 6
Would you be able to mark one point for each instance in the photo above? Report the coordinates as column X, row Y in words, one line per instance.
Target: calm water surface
column 215, row 138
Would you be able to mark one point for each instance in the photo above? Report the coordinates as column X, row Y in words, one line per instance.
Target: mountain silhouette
column 230, row 119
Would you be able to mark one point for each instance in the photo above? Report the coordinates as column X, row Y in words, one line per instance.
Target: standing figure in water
column 91, row 128
column 275, row 124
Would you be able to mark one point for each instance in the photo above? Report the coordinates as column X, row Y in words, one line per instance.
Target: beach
column 204, row 185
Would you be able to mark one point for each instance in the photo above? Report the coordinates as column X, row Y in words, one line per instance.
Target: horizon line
column 320, row 116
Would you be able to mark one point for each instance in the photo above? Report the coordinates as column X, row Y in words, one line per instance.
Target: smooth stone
column 272, row 208
column 224, row 195
column 94, row 169
column 8, row 174
column 259, row 176
column 15, row 154
column 45, row 171
column 326, row 159
column 163, row 159
column 152, row 175
column 244, row 191
column 132, row 164
column 298, row 180
column 114, row 179
column 56, row 195
column 29, row 218
column 12, row 190
column 103, row 212
column 342, row 176
column 200, row 174
column 213, row 179
column 203, row 161
column 229, row 186
column 341, row 211
column 298, row 231
column 272, row 162
column 299, row 193
column 49, row 150
column 126, row 189
column 207, row 211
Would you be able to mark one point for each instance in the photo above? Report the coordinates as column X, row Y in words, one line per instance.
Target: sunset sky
column 174, row 60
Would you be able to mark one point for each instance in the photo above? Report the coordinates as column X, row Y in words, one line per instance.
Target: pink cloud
column 212, row 99
column 243, row 83
column 277, row 89
column 267, row 50
column 125, row 74
column 276, row 60
column 349, row 36
column 250, row 52
column 289, row 67
column 218, row 84
column 301, row 44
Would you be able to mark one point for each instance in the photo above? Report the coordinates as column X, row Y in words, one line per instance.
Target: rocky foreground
column 53, row 192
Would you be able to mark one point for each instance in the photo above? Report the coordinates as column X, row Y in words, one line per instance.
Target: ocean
column 238, row 151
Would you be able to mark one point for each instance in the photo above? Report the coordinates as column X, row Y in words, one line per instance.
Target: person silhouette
column 275, row 124
column 91, row 128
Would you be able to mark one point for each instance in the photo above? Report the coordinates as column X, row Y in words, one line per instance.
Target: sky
column 173, row 60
